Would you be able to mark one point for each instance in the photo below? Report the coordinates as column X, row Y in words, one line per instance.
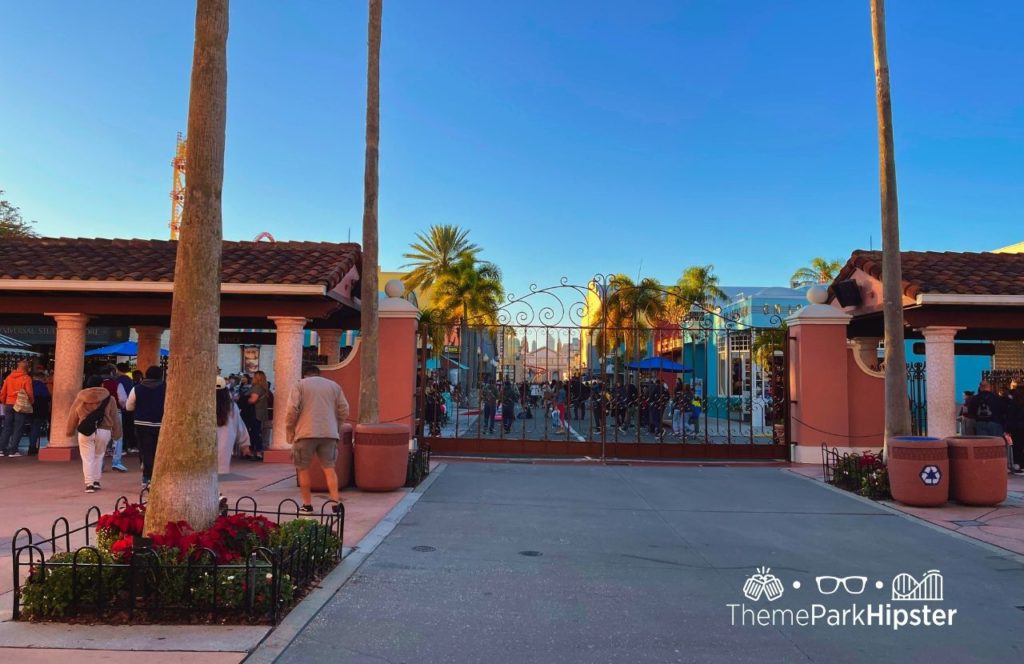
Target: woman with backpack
column 94, row 418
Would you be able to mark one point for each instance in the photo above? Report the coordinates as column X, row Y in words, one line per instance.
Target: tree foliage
column 820, row 271
column 435, row 252
column 470, row 290
column 11, row 222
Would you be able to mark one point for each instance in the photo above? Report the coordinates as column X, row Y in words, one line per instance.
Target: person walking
column 432, row 410
column 40, row 410
column 1015, row 428
column 124, row 378
column 489, row 397
column 95, row 420
column 509, row 396
column 16, row 397
column 259, row 397
column 146, row 403
column 113, row 384
column 598, row 398
column 231, row 430
column 313, row 423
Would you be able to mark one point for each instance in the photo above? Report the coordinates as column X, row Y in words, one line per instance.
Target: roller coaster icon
column 928, row 589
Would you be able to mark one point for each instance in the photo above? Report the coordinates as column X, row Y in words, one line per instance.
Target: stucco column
column 941, row 380
column 68, row 370
column 330, row 345
column 287, row 372
column 149, row 347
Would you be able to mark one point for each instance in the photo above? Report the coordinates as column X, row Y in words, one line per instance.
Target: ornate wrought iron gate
column 605, row 370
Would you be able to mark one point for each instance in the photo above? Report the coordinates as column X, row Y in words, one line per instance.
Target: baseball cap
column 221, row 383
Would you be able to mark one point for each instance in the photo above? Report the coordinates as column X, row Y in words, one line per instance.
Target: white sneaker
column 14, row 454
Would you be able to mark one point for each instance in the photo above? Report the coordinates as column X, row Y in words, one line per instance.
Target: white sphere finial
column 817, row 294
column 394, row 288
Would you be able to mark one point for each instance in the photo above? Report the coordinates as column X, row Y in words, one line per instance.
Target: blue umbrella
column 124, row 348
column 659, row 364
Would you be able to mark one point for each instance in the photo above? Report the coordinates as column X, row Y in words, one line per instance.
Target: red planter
column 978, row 466
column 919, row 470
column 381, row 456
column 342, row 466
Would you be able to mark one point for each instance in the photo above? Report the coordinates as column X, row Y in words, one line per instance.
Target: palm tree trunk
column 897, row 407
column 185, row 477
column 369, row 408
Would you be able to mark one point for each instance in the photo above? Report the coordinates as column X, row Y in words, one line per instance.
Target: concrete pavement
column 537, row 563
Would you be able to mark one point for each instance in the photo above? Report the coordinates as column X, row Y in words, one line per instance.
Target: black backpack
column 91, row 422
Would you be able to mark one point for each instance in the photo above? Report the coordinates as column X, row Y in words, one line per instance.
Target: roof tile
column 101, row 259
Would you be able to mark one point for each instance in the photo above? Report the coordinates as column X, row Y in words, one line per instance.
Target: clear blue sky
column 571, row 136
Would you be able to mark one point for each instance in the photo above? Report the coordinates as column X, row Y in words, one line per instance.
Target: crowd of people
column 998, row 412
column 650, row 405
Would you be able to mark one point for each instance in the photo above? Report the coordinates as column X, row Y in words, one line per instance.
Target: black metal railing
column 159, row 583
column 863, row 473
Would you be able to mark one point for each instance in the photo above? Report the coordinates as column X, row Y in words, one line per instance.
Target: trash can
column 978, row 469
column 381, row 456
column 342, row 466
column 919, row 470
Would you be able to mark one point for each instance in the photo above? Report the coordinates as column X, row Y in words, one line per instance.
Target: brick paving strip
column 44, row 491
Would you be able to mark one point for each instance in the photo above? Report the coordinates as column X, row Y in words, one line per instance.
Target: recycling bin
column 342, row 466
column 919, row 470
column 978, row 469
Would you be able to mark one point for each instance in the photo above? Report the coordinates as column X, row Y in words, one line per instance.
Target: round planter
column 381, row 456
column 978, row 467
column 919, row 470
column 342, row 466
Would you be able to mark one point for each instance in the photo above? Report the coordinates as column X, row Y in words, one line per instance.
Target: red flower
column 123, row 547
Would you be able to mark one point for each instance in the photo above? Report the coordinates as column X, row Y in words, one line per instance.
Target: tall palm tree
column 369, row 408
column 699, row 285
column 185, row 477
column 628, row 312
column 820, row 271
column 897, row 411
column 470, row 290
column 433, row 253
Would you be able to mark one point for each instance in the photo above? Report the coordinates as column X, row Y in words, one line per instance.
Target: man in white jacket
column 316, row 412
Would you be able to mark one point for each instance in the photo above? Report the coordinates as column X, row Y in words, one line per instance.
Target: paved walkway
column 545, row 563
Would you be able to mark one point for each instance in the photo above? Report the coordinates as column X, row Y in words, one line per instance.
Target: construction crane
column 178, row 189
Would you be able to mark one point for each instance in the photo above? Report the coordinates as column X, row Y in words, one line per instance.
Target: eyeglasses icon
column 828, row 585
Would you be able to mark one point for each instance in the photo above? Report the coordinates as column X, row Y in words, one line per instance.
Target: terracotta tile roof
column 92, row 259
column 947, row 272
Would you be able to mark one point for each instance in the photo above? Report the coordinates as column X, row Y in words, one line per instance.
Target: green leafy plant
column 49, row 591
column 310, row 536
column 231, row 585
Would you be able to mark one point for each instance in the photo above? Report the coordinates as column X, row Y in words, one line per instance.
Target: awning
column 12, row 346
column 434, row 363
column 129, row 348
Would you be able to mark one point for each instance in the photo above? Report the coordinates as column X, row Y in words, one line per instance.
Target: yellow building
column 421, row 297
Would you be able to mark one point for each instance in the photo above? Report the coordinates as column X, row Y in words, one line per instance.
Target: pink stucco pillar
column 941, row 379
column 149, row 346
column 381, row 450
column 68, row 369
column 330, row 345
column 287, row 372
column 819, row 384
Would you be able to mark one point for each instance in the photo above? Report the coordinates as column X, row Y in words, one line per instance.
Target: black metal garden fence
column 863, row 473
column 82, row 578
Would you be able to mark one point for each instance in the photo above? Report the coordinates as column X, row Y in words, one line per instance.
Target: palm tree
column 369, row 408
column 434, row 253
column 699, row 285
column 470, row 290
column 820, row 271
column 185, row 477
column 897, row 412
column 628, row 312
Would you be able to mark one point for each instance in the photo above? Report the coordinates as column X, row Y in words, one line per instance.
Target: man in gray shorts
column 316, row 411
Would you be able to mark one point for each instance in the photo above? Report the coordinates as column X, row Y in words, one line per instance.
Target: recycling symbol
column 931, row 475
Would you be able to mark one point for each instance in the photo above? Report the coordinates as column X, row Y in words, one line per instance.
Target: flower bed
column 865, row 474
column 249, row 566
